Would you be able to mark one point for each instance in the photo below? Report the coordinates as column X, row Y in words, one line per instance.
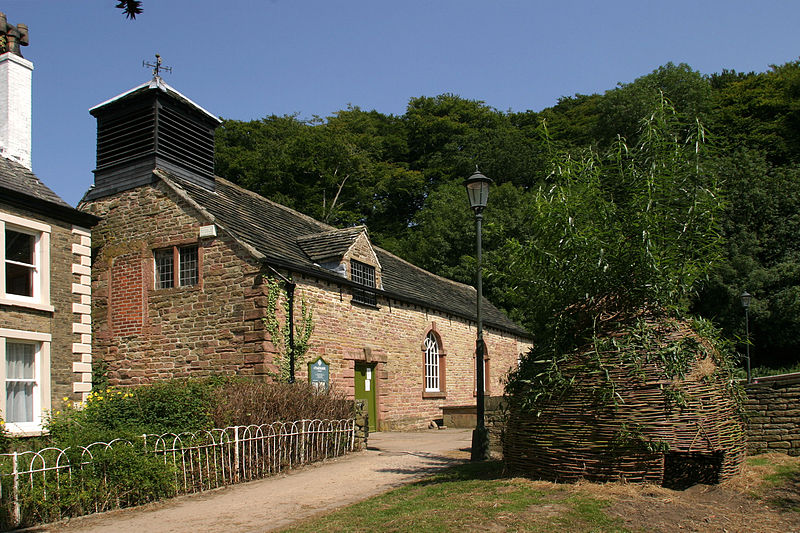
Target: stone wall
column 773, row 405
column 146, row 334
column 62, row 314
column 217, row 325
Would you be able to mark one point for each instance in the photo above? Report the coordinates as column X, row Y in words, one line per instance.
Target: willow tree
column 620, row 376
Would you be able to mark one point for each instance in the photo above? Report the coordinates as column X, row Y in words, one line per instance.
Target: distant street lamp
column 478, row 191
column 746, row 298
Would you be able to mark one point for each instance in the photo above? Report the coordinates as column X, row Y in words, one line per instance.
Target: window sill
column 189, row 288
column 434, row 394
column 30, row 305
column 24, row 430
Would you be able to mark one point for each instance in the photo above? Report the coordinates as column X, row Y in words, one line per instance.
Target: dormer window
column 363, row 274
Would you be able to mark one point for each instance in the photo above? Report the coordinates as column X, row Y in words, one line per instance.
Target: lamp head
column 477, row 190
column 746, row 298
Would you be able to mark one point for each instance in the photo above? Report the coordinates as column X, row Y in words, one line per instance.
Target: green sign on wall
column 319, row 373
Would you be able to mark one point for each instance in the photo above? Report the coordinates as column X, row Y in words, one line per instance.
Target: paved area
column 391, row 459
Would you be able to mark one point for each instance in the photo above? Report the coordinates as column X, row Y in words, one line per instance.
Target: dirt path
column 391, row 459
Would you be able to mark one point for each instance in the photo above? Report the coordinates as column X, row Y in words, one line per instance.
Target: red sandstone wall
column 392, row 336
column 146, row 334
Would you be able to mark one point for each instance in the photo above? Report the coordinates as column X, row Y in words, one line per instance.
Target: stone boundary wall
column 773, row 406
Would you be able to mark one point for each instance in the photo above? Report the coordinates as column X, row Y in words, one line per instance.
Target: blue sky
column 246, row 59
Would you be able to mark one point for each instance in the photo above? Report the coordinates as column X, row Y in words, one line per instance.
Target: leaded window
column 165, row 276
column 363, row 274
column 431, row 364
column 187, row 272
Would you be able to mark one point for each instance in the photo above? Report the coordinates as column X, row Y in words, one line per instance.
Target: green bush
column 169, row 406
column 189, row 405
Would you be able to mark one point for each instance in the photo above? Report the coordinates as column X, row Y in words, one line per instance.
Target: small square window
column 187, row 273
column 365, row 275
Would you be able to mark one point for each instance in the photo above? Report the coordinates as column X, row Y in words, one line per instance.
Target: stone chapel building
column 182, row 256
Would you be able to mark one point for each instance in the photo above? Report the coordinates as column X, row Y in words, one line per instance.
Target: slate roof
column 20, row 179
column 329, row 244
column 20, row 187
column 276, row 232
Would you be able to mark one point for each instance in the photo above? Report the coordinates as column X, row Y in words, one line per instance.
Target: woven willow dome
column 648, row 402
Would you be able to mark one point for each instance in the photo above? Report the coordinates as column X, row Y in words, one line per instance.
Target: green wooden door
column 365, row 390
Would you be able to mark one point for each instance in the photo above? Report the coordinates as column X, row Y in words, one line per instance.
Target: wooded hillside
column 402, row 177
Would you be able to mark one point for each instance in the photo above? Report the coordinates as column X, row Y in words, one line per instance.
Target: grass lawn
column 480, row 497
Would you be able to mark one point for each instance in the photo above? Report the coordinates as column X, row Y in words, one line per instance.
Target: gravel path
column 391, row 459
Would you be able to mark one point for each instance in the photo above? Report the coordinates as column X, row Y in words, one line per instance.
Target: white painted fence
column 198, row 461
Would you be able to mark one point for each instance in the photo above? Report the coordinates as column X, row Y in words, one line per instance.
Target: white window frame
column 41, row 262
column 432, row 371
column 41, row 374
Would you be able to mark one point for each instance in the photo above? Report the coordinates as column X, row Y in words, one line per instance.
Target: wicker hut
column 648, row 402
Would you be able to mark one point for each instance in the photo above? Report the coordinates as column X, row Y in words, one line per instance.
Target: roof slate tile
column 20, row 179
column 288, row 237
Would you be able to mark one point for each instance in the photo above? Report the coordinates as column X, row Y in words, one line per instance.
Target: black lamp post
column 745, row 297
column 478, row 191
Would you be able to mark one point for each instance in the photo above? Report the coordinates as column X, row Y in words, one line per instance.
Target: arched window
column 434, row 368
column 431, row 363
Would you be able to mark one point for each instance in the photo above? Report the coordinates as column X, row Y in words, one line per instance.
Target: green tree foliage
column 761, row 225
column 761, row 111
column 402, row 175
column 341, row 170
column 620, row 109
column 613, row 232
column 448, row 135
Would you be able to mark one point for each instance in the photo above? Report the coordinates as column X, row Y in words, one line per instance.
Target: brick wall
column 217, row 327
column 392, row 337
column 773, row 405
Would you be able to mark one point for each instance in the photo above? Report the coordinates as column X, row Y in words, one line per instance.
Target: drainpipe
column 290, row 287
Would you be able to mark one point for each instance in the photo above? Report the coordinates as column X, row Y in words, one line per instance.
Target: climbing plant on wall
column 279, row 329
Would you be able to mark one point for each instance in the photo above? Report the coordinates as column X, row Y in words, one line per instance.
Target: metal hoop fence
column 53, row 483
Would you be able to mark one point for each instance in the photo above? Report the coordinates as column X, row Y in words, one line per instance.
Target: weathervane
column 157, row 68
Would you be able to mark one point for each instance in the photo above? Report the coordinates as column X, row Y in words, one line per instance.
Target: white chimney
column 15, row 108
column 15, row 95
